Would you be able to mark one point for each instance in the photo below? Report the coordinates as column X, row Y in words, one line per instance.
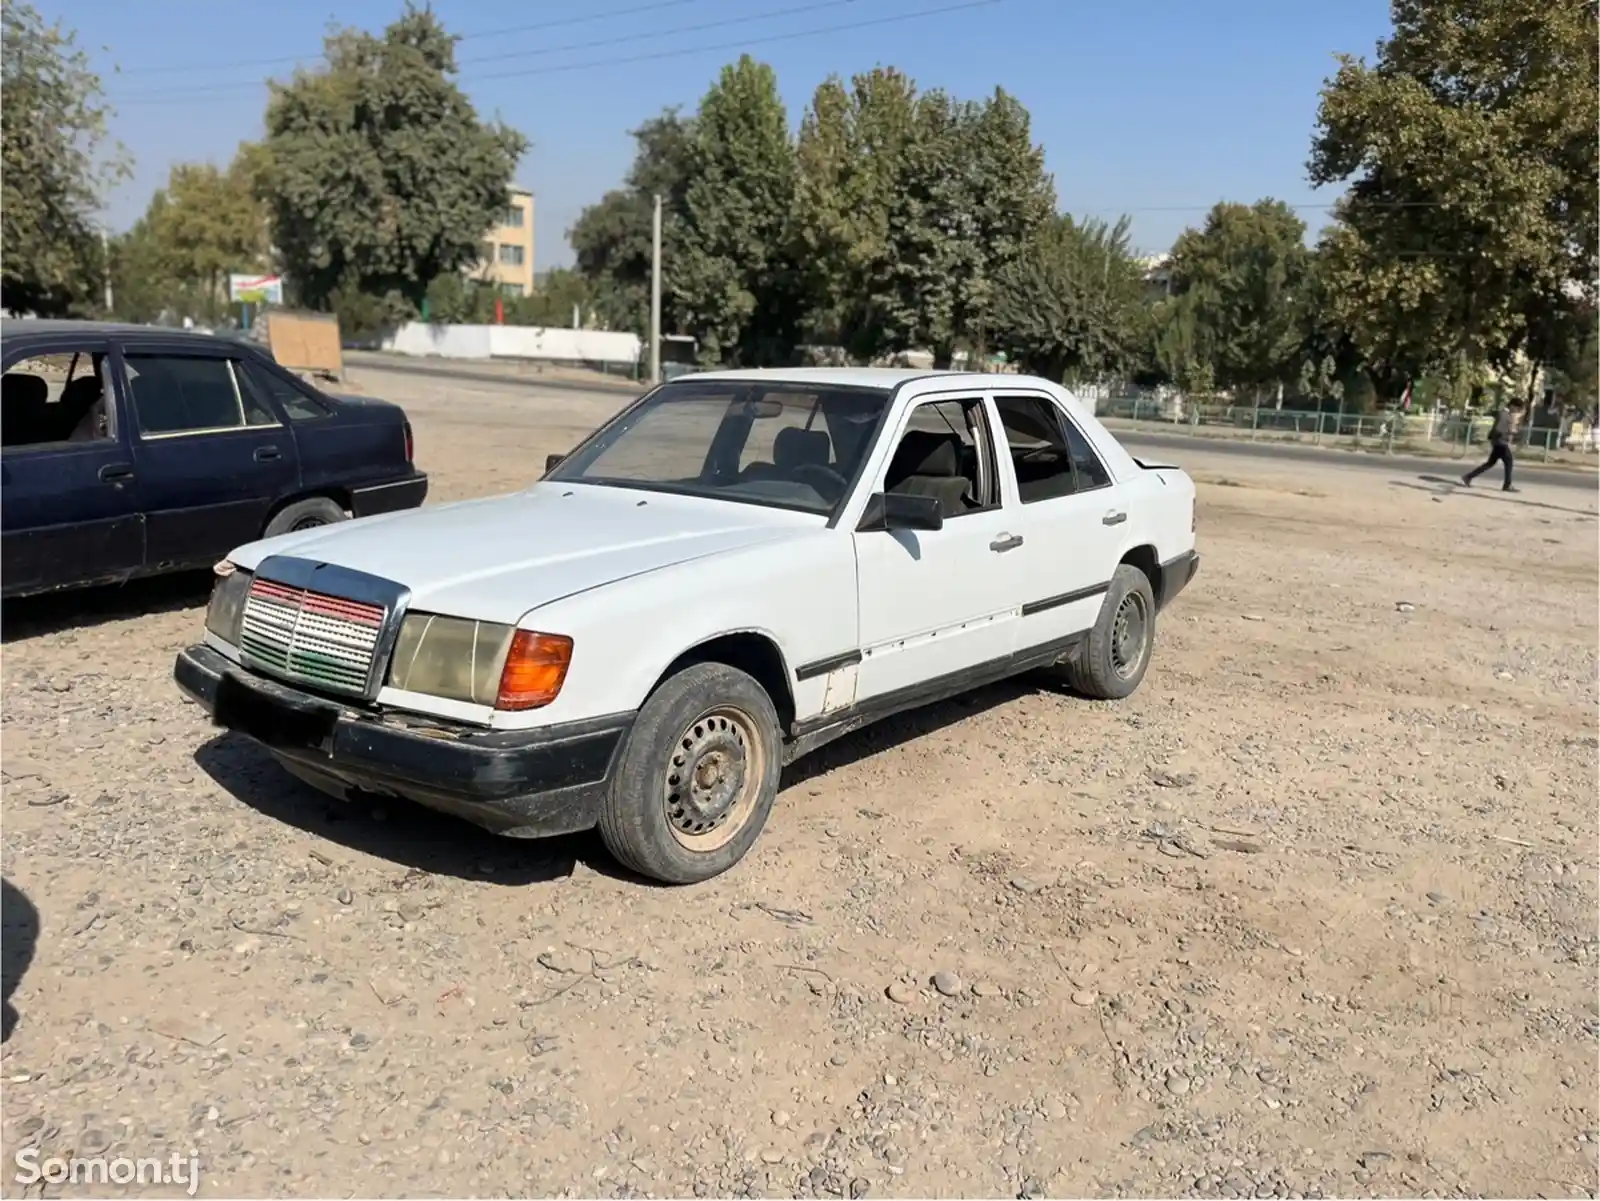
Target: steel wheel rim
column 713, row 778
column 1129, row 633
column 307, row 523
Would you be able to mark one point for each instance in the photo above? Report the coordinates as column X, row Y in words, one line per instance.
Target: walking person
column 1499, row 446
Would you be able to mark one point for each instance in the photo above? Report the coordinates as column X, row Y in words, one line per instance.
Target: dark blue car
column 128, row 451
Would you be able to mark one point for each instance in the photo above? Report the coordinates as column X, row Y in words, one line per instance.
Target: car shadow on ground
column 395, row 830
column 1441, row 486
column 416, row 837
column 22, row 618
column 19, row 935
column 918, row 723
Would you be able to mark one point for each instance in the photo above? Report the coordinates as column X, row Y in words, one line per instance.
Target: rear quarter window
column 296, row 404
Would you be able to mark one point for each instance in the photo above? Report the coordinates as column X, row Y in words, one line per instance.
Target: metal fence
column 1452, row 435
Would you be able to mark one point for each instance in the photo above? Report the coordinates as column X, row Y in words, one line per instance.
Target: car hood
column 497, row 558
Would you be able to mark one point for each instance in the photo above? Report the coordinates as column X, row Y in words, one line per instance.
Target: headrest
column 795, row 446
column 923, row 452
column 19, row 388
column 84, row 390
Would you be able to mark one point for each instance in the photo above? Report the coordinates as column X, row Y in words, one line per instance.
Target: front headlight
column 227, row 601
column 478, row 662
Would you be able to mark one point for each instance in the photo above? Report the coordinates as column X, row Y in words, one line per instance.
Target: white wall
column 513, row 342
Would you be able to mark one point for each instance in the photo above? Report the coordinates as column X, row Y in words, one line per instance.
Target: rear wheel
column 305, row 515
column 1111, row 662
column 697, row 778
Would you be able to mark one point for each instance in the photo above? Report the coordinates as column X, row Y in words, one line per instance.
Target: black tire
column 661, row 816
column 304, row 515
column 1112, row 661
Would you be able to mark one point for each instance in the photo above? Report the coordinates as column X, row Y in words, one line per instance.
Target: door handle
column 1006, row 542
column 1113, row 518
column 113, row 473
column 265, row 454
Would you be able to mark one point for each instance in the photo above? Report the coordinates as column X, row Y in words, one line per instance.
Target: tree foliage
column 205, row 224
column 378, row 172
column 612, row 239
column 1074, row 303
column 845, row 240
column 1244, row 272
column 54, row 167
column 731, row 281
column 1470, row 150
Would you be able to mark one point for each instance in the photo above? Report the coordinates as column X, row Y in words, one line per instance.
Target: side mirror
column 551, row 462
column 897, row 511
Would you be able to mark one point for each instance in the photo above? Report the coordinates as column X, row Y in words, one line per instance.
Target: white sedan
column 736, row 569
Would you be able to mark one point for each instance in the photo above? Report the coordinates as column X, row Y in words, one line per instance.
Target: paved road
column 364, row 360
column 1171, row 447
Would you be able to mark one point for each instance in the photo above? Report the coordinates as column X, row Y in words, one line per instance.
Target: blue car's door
column 213, row 458
column 69, row 507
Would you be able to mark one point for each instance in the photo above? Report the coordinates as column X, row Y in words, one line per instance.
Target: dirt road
column 1314, row 913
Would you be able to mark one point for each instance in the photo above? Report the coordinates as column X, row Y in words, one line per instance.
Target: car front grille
column 325, row 641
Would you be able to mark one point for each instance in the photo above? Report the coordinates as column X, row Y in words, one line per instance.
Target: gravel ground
column 1313, row 914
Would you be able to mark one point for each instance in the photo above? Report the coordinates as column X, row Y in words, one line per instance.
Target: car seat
column 929, row 464
column 23, row 401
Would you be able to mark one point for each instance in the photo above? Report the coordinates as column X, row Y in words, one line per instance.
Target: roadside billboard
column 256, row 289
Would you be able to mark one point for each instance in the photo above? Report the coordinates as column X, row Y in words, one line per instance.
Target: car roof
column 12, row 327
column 862, row 377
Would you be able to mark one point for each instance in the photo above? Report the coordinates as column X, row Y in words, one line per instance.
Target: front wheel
column 1111, row 662
column 305, row 514
column 697, row 777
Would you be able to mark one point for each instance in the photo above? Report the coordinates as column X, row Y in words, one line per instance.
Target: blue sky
column 1157, row 108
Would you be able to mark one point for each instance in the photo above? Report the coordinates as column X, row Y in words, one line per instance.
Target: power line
column 747, row 19
column 176, row 95
column 242, row 64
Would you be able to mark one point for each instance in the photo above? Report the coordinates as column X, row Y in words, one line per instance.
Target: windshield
column 777, row 444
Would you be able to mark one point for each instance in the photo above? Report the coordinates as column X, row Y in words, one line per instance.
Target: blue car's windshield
column 779, row 444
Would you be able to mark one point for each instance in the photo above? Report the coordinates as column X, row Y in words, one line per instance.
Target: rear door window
column 173, row 394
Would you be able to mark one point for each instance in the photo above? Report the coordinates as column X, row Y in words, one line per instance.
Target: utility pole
column 655, row 294
column 105, row 261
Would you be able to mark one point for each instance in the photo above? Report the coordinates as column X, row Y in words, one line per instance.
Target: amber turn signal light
column 536, row 667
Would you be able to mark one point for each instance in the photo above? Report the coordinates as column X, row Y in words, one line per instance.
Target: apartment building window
column 512, row 217
column 510, row 256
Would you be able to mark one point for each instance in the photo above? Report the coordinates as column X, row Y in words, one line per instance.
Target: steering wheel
column 827, row 482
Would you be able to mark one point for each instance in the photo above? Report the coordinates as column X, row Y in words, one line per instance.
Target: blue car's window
column 52, row 398
column 175, row 395
column 295, row 403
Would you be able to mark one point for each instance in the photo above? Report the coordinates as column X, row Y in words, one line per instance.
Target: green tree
column 1073, row 304
column 1470, row 151
column 612, row 238
column 851, row 158
column 203, row 225
column 553, row 301
column 909, row 207
column 972, row 193
column 379, row 174
column 1245, row 271
column 730, row 277
column 1006, row 197
column 54, row 167
column 1178, row 344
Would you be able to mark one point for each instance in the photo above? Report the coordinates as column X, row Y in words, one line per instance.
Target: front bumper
column 523, row 783
column 396, row 495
